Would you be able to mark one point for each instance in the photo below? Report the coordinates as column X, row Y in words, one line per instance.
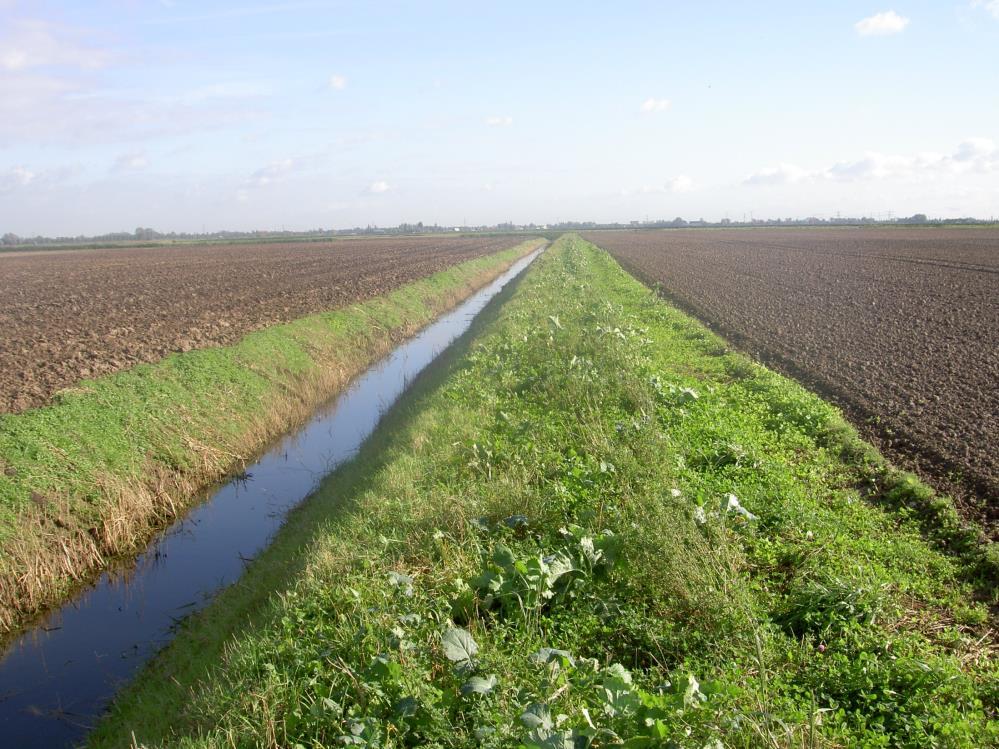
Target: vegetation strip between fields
column 91, row 476
column 597, row 527
column 848, row 313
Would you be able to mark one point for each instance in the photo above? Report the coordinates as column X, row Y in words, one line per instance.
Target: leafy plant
column 522, row 583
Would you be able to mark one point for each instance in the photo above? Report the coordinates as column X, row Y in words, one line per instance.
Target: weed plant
column 598, row 528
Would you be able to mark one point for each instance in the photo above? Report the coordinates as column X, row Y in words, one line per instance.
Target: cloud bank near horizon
column 167, row 115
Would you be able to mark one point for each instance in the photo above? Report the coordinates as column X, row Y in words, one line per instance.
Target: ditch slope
column 95, row 473
column 598, row 527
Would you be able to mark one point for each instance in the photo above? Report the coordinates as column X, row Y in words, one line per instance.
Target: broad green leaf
column 403, row 582
column 459, row 645
column 479, row 685
column 692, row 695
column 560, row 564
column 503, row 556
column 406, row 706
column 517, row 521
column 547, row 739
column 536, row 716
column 619, row 671
column 552, row 655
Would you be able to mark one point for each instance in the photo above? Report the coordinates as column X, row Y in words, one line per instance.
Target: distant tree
column 10, row 238
column 145, row 234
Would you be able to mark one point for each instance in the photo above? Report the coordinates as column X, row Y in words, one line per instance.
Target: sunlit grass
column 593, row 525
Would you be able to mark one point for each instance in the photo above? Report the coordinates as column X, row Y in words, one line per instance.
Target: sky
column 190, row 115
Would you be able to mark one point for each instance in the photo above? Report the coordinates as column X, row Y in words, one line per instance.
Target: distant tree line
column 679, row 222
column 144, row 234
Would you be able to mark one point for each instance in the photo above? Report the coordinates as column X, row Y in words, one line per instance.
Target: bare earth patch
column 900, row 327
column 72, row 315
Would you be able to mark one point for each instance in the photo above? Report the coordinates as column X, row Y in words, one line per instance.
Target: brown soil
column 900, row 327
column 72, row 315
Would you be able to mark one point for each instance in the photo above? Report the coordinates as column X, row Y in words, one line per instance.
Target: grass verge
column 598, row 528
column 90, row 477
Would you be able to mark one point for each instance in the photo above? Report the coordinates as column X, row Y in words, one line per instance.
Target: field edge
column 971, row 491
column 947, row 524
column 92, row 476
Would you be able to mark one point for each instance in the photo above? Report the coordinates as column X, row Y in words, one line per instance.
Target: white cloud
column 32, row 44
column 49, row 93
column 20, row 176
column 17, row 176
column 881, row 24
column 975, row 149
column 499, row 121
column 990, row 6
column 971, row 155
column 130, row 162
column 680, row 183
column 655, row 105
column 379, row 187
column 782, row 174
column 58, row 109
column 338, row 82
column 273, row 173
column 872, row 165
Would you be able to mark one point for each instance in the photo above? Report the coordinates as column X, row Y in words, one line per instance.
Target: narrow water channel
column 57, row 679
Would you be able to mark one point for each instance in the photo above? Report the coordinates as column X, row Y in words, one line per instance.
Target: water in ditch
column 57, row 678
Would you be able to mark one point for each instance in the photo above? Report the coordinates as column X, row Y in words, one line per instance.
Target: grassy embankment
column 598, row 525
column 90, row 476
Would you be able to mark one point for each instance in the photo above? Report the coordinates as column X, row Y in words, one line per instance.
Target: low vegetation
column 881, row 320
column 595, row 526
column 110, row 460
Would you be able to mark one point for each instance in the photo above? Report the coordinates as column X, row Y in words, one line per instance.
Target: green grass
column 113, row 457
column 545, row 548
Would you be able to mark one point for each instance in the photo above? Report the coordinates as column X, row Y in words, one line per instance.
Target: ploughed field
column 899, row 326
column 76, row 314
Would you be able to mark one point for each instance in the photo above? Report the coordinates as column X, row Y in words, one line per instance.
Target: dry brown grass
column 50, row 553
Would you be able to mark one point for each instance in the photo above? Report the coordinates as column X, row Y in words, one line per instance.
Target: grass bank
column 92, row 475
column 598, row 528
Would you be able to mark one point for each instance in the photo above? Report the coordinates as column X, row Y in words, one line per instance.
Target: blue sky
column 248, row 114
